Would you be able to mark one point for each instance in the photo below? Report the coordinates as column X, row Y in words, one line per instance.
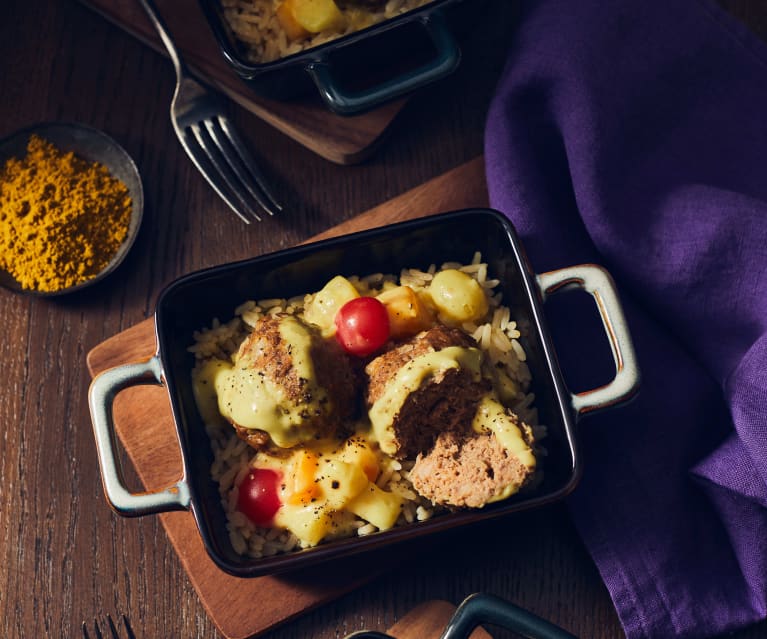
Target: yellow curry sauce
column 255, row 402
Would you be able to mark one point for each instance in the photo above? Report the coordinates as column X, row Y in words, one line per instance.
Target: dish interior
column 192, row 302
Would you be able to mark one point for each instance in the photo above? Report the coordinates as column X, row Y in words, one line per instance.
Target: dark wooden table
column 64, row 556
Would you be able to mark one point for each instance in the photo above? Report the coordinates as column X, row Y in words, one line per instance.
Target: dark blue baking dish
column 360, row 70
column 193, row 301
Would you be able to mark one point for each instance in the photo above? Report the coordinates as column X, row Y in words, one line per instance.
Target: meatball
column 317, row 385
column 468, row 470
column 445, row 401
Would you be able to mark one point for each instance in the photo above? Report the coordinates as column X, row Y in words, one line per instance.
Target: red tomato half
column 258, row 499
column 362, row 325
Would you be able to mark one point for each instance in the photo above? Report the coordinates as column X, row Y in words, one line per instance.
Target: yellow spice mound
column 62, row 218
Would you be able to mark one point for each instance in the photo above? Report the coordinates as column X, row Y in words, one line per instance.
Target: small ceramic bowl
column 94, row 146
column 195, row 300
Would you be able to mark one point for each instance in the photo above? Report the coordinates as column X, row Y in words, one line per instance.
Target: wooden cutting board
column 340, row 139
column 144, row 425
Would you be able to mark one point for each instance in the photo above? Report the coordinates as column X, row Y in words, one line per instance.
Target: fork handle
column 162, row 29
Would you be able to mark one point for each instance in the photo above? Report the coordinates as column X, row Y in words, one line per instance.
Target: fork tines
column 209, row 139
column 113, row 633
column 236, row 177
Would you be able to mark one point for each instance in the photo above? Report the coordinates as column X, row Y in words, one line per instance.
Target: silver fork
column 210, row 140
column 113, row 633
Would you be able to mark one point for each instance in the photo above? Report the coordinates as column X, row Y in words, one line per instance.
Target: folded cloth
column 634, row 134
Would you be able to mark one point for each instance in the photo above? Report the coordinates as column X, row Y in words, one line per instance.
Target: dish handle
column 101, row 395
column 481, row 608
column 478, row 609
column 446, row 58
column 597, row 282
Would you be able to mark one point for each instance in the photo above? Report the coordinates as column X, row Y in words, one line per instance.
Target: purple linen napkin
column 634, row 134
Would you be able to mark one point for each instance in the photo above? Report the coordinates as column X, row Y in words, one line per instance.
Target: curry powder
column 62, row 218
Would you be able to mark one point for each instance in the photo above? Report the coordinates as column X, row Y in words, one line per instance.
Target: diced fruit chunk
column 301, row 483
column 310, row 524
column 358, row 453
column 341, row 482
column 289, row 24
column 315, row 15
column 379, row 507
column 408, row 315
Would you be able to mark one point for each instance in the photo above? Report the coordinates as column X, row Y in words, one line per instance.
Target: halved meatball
column 468, row 470
column 444, row 401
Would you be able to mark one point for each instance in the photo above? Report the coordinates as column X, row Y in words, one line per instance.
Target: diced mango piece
column 341, row 482
column 301, row 485
column 408, row 315
column 289, row 24
column 309, row 523
column 316, row 15
column 379, row 507
column 323, row 308
column 357, row 452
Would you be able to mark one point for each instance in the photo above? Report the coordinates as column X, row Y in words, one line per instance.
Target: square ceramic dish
column 362, row 69
column 192, row 302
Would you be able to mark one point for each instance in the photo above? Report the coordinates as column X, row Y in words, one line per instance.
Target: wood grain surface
column 65, row 557
column 345, row 140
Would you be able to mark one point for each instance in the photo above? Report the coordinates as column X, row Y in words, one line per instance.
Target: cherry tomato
column 257, row 498
column 362, row 325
